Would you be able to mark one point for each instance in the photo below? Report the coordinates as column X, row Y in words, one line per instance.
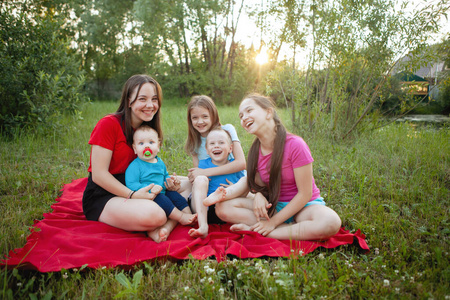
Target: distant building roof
column 428, row 69
column 408, row 76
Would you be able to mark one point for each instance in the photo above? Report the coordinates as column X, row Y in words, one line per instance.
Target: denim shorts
column 281, row 205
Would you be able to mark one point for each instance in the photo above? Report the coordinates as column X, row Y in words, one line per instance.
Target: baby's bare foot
column 217, row 196
column 201, row 232
column 240, row 227
column 187, row 219
column 159, row 234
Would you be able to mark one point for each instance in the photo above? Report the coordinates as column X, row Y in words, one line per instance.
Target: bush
column 39, row 75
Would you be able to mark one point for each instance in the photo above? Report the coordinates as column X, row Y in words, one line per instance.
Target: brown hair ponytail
column 271, row 192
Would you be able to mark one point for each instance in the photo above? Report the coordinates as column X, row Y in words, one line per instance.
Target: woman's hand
column 263, row 227
column 145, row 193
column 261, row 206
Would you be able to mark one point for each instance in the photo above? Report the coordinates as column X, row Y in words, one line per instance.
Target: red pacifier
column 147, row 152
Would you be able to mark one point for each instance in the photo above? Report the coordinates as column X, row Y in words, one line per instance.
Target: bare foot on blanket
column 217, row 196
column 187, row 219
column 201, row 232
column 240, row 227
column 159, row 234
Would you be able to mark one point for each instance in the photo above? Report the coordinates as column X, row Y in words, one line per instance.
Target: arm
column 237, row 165
column 133, row 177
column 100, row 159
column 303, row 180
column 260, row 203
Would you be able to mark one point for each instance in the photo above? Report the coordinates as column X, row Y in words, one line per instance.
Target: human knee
column 331, row 226
column 222, row 211
column 200, row 181
column 151, row 218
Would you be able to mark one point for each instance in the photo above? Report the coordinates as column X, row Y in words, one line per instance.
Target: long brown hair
column 272, row 191
column 124, row 110
column 193, row 140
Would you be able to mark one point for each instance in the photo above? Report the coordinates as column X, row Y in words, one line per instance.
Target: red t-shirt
column 109, row 134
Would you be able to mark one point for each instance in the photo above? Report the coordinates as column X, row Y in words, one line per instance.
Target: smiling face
column 201, row 120
column 146, row 141
column 219, row 146
column 253, row 117
column 144, row 104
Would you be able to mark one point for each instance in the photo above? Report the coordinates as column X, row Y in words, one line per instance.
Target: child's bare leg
column 184, row 218
column 233, row 191
column 185, row 186
column 218, row 195
column 238, row 211
column 199, row 192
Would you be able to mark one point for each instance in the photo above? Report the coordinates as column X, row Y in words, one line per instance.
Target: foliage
column 39, row 76
column 351, row 47
column 392, row 183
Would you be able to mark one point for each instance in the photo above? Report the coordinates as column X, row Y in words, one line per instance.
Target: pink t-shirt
column 296, row 154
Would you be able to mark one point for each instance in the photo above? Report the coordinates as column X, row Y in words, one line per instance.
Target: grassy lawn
column 392, row 183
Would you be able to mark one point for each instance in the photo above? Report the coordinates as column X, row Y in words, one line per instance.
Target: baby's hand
column 173, row 183
column 156, row 189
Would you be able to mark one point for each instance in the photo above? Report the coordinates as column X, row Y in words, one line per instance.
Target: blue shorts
column 281, row 205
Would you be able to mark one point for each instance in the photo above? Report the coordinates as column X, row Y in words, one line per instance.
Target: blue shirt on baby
column 141, row 173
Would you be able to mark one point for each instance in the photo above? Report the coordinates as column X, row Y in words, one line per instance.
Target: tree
column 353, row 46
column 39, row 75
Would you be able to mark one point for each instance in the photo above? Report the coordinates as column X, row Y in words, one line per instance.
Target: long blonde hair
column 272, row 191
column 193, row 140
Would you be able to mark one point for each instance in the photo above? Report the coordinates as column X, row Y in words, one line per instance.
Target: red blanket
column 64, row 239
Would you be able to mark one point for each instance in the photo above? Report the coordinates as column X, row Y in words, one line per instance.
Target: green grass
column 392, row 183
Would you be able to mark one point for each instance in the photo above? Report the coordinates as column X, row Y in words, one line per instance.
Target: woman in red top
column 106, row 198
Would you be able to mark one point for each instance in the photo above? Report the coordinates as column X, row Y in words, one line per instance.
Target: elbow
column 97, row 178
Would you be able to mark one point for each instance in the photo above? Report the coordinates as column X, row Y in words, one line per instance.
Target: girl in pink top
column 287, row 203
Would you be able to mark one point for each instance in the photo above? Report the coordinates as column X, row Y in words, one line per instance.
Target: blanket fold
column 64, row 239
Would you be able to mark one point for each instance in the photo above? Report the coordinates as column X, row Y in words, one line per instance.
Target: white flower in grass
column 321, row 256
column 239, row 276
column 396, row 271
column 210, row 280
column 186, row 288
column 221, row 291
column 377, row 251
column 397, row 290
column 75, row 269
column 280, row 282
column 412, row 279
column 19, row 284
column 209, row 271
column 300, row 252
column 65, row 276
column 386, row 283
